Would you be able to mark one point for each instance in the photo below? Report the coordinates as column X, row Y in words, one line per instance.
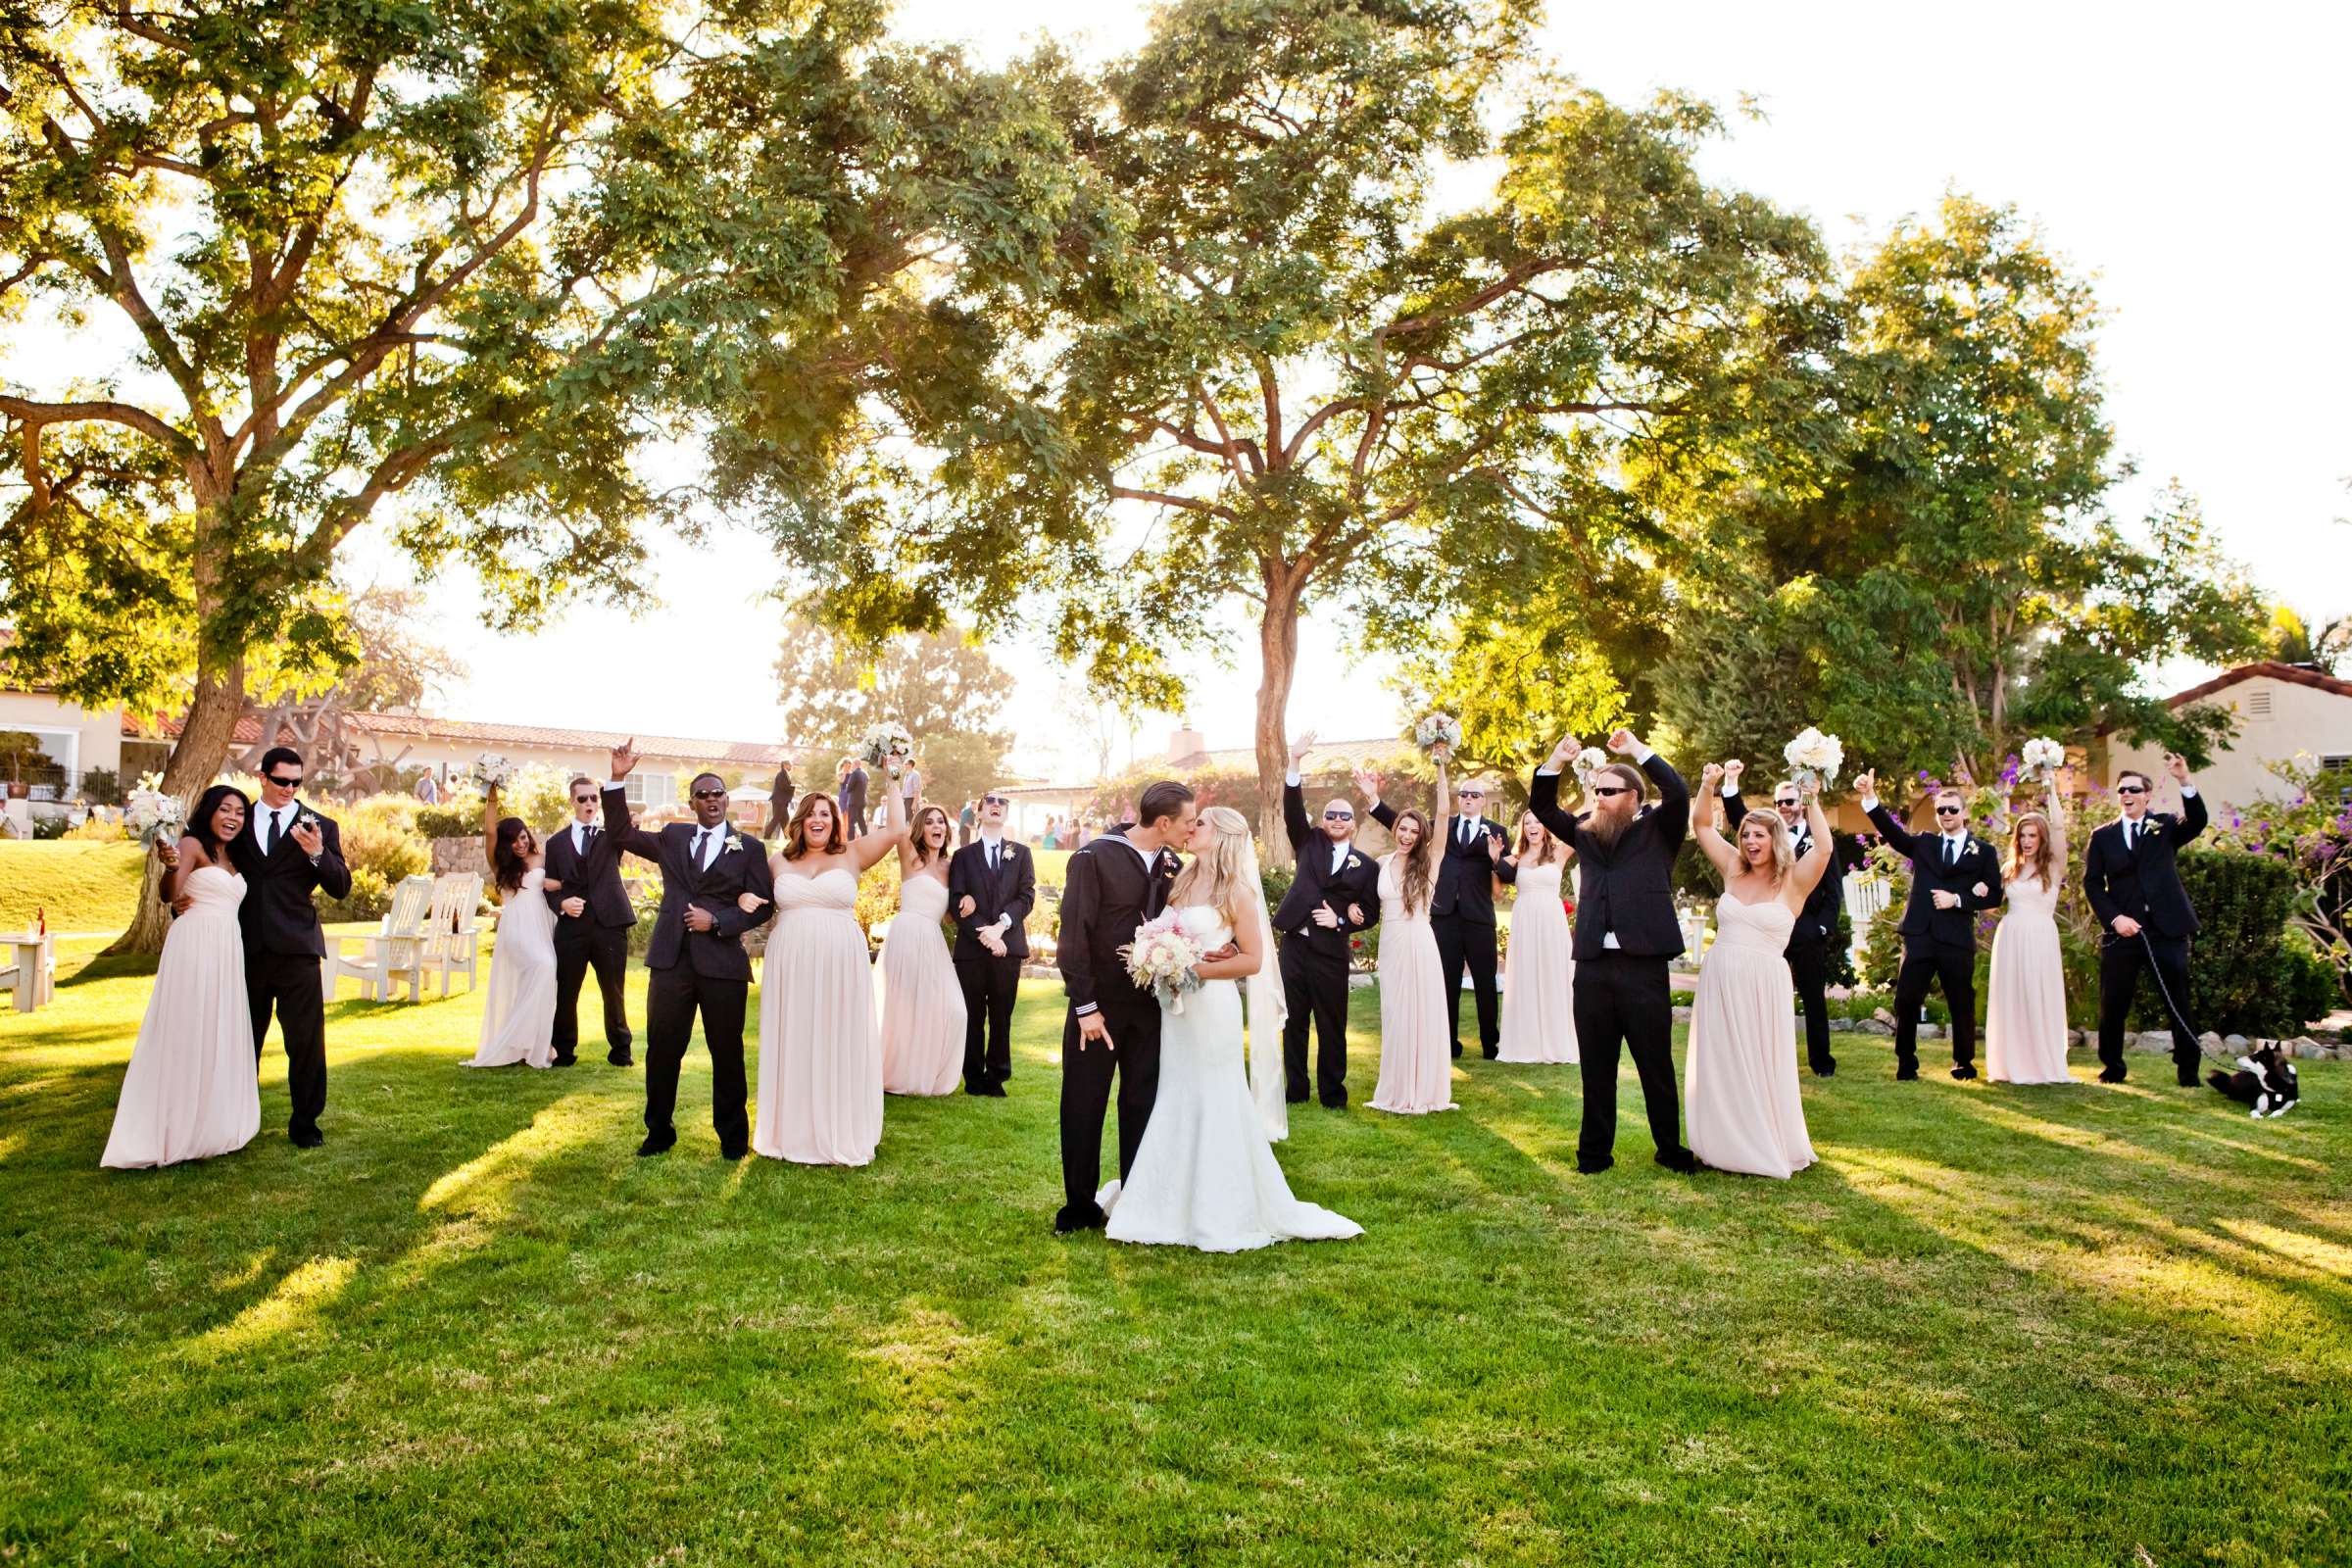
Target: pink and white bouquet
column 1438, row 729
column 492, row 771
column 887, row 742
column 1164, row 959
column 1588, row 764
column 1814, row 757
column 2041, row 759
column 153, row 814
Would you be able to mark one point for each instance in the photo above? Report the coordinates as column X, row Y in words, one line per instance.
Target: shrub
column 102, row 786
column 380, row 835
column 96, row 829
column 52, row 827
column 2245, row 975
column 369, row 899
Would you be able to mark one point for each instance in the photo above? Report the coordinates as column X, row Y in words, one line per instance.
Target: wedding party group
column 1190, row 1002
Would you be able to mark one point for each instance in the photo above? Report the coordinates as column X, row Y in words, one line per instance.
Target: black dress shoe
column 1964, row 1072
column 2189, row 1077
column 567, row 1061
column 1293, row 1100
column 1088, row 1218
column 1491, row 1051
column 2110, row 1075
column 657, row 1143
column 305, row 1138
column 739, row 1151
column 1593, row 1167
column 1677, row 1159
column 1904, row 1076
column 1457, row 1048
column 1826, row 1067
column 620, row 1058
column 1339, row 1104
column 993, row 1089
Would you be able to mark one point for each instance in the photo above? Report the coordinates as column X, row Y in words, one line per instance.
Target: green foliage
column 2307, row 830
column 50, row 827
column 941, row 685
column 369, row 899
column 2247, row 974
column 102, row 786
column 380, row 835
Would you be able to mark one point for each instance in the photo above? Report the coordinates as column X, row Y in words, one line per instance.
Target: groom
column 1115, row 883
column 285, row 851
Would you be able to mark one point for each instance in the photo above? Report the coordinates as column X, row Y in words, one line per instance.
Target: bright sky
column 2188, row 157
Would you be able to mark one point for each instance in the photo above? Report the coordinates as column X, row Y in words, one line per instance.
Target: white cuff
column 1870, row 804
column 1642, row 754
column 1548, row 772
column 1084, row 1008
column 1290, row 778
column 2187, row 791
column 1730, row 790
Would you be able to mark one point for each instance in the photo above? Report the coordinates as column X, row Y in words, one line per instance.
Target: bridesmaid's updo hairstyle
column 201, row 825
column 1784, row 849
column 797, row 842
column 509, row 856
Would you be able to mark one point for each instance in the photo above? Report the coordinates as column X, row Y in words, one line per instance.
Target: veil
column 1261, row 992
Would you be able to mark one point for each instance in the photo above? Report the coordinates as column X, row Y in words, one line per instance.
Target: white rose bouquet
column 1814, row 757
column 492, row 771
column 1588, row 764
column 1164, row 959
column 2041, row 759
column 1438, row 729
column 153, row 814
column 887, row 742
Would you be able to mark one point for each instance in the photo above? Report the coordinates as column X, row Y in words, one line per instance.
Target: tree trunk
column 1278, row 663
column 196, row 760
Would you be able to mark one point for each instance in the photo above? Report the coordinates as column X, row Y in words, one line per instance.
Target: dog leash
column 2163, row 989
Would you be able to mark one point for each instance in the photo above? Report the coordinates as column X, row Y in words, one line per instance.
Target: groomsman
column 287, row 851
column 992, row 886
column 593, row 917
column 1334, row 894
column 1954, row 874
column 851, row 799
column 2133, row 879
column 697, row 960
column 1626, row 937
column 1816, row 928
column 1462, row 912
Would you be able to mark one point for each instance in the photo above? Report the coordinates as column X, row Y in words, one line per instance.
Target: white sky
column 2191, row 157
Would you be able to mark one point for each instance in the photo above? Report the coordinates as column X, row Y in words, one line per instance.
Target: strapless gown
column 1416, row 1042
column 192, row 1088
column 1538, row 1007
column 518, row 1007
column 1206, row 1176
column 2024, row 1010
column 821, row 1054
column 1747, row 1113
column 922, row 1004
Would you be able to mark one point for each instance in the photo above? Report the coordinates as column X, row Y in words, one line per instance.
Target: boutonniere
column 1353, row 861
column 733, row 843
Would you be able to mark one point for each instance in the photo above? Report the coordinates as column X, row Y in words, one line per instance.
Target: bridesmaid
column 192, row 1091
column 821, row 1054
column 518, row 1016
column 1416, row 1042
column 1745, row 1113
column 921, row 1001
column 2025, row 1014
column 1539, row 1019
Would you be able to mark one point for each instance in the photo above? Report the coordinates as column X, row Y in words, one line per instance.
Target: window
column 2258, row 704
column 653, row 789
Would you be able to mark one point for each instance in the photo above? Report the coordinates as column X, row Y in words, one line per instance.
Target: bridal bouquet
column 1164, row 959
column 1438, row 729
column 1814, row 757
column 1588, row 764
column 2042, row 758
column 491, row 770
column 888, row 742
column 153, row 814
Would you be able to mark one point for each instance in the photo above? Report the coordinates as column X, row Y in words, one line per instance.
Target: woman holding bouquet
column 821, row 1053
column 921, row 1001
column 518, row 1017
column 2025, row 1015
column 1416, row 1043
column 1745, row 1113
column 191, row 1091
column 1539, row 1002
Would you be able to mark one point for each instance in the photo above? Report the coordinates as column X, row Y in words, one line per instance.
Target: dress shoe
column 1457, row 1048
column 2110, row 1075
column 1677, row 1159
column 1089, row 1218
column 657, row 1143
column 1492, row 1052
column 992, row 1090
column 1593, row 1167
column 739, row 1151
column 1826, row 1067
column 1293, row 1100
column 1339, row 1104
column 620, row 1058
column 1964, row 1072
column 305, row 1138
column 2189, row 1077
column 567, row 1061
column 1904, row 1076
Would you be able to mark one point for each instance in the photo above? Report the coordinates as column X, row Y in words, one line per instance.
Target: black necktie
column 700, row 834
column 1951, row 851
column 270, row 848
column 1465, row 832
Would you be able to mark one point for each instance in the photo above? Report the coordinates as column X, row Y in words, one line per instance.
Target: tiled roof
column 2292, row 674
column 536, row 736
column 1324, row 755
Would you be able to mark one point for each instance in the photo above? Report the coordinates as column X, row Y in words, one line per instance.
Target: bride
column 1205, row 1175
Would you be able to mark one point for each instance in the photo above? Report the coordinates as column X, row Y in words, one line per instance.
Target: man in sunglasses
column 992, row 886
column 1461, row 908
column 286, row 852
column 1816, row 927
column 593, row 917
column 2132, row 880
column 695, row 962
column 1954, row 875
column 1626, row 937
column 1334, row 893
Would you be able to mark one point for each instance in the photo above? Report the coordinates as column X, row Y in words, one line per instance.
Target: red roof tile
column 2292, row 674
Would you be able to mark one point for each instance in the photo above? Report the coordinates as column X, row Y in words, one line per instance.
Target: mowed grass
column 1996, row 1325
column 81, row 886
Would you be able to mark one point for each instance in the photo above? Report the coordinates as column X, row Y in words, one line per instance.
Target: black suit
column 705, row 971
column 1939, row 946
column 1809, row 940
column 1107, row 892
column 1461, row 917
column 2143, row 882
column 284, row 946
column 852, row 801
column 598, row 937
column 1623, row 993
column 991, row 985
column 1314, row 957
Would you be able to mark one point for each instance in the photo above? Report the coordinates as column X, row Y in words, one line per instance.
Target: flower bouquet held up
column 888, row 743
column 154, row 815
column 1164, row 959
column 2042, row 761
column 492, row 771
column 1589, row 763
column 1432, row 730
column 1814, row 757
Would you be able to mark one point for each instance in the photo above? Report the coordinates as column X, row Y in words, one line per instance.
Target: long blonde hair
column 1784, row 849
column 1214, row 876
column 2045, row 853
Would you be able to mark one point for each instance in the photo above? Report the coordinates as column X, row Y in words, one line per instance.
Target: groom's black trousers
column 291, row 980
column 672, row 997
column 1314, row 987
column 1086, row 1077
column 1621, row 997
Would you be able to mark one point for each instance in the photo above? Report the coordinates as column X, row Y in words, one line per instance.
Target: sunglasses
column 1787, row 803
column 2131, row 789
column 1605, row 791
column 1339, row 817
column 994, row 800
column 293, row 783
column 1471, row 795
column 710, row 795
column 1949, row 811
column 583, row 800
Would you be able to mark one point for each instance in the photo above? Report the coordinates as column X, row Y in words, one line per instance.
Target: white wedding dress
column 1206, row 1176
column 518, row 1014
column 192, row 1090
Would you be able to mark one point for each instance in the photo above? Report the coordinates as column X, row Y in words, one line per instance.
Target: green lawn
column 83, row 886
column 1994, row 1325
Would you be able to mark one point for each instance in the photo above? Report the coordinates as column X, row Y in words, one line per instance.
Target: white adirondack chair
column 394, row 950
column 453, row 931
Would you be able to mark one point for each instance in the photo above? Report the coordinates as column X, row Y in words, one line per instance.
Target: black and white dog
column 2263, row 1080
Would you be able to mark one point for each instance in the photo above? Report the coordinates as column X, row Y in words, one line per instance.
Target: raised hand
column 1565, row 753
column 1866, row 784
column 1623, row 742
column 1732, row 772
column 1810, row 787
column 625, row 758
column 1299, row 747
column 2176, row 766
column 1493, row 848
column 1709, row 776
column 167, row 852
column 1367, row 784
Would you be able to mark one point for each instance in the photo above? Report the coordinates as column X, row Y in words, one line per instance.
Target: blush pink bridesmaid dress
column 1416, row 1043
column 923, row 1006
column 821, row 1054
column 1747, row 1113
column 2025, row 1006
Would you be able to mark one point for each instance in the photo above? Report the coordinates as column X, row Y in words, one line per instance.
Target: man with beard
column 1625, row 937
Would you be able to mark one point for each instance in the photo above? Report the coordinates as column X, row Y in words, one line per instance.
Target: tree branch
column 1120, row 492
